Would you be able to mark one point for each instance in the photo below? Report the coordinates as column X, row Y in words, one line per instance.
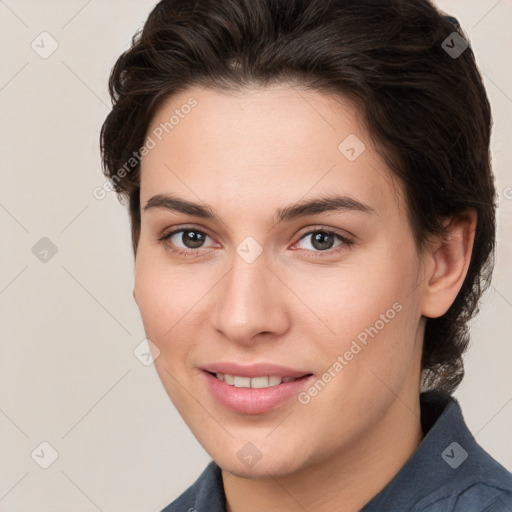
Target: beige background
column 68, row 375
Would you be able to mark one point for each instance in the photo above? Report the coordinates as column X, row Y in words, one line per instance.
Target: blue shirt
column 449, row 471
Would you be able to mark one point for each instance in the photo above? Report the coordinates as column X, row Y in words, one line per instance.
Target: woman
column 313, row 224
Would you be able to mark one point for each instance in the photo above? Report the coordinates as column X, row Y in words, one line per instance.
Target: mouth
column 261, row 382
column 256, row 394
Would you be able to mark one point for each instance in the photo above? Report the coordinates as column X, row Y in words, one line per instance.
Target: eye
column 184, row 241
column 322, row 240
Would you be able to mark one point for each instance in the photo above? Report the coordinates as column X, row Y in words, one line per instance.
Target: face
column 253, row 283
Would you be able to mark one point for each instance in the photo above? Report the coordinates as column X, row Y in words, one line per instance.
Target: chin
column 268, row 466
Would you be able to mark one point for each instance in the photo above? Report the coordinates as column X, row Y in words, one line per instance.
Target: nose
column 250, row 301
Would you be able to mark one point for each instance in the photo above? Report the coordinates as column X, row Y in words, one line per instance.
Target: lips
column 255, row 370
column 256, row 388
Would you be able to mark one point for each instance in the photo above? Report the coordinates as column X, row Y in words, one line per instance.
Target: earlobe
column 449, row 262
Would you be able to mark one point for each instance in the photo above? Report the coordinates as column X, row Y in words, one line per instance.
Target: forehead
column 280, row 143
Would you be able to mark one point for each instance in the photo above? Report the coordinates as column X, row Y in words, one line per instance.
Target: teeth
column 274, row 381
column 259, row 382
column 255, row 382
column 242, row 382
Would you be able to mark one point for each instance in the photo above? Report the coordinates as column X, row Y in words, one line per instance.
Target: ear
column 447, row 261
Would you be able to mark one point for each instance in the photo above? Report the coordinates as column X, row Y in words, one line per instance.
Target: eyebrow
column 330, row 203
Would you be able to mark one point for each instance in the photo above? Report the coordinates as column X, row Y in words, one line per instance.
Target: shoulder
column 479, row 497
column 481, row 485
column 206, row 493
column 449, row 471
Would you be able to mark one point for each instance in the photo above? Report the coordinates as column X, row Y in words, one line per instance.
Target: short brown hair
column 425, row 108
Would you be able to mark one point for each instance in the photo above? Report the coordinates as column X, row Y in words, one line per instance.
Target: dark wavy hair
column 424, row 106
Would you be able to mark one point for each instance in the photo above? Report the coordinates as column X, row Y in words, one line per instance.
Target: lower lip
column 254, row 400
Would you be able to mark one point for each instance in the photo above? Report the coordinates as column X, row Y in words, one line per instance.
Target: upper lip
column 254, row 370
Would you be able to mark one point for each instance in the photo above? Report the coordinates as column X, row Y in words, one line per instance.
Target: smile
column 254, row 395
column 254, row 382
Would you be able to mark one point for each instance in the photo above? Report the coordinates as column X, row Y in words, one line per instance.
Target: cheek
column 173, row 302
column 165, row 300
column 353, row 297
column 163, row 297
column 369, row 310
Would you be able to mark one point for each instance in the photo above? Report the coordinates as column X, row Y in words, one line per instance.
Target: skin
column 246, row 155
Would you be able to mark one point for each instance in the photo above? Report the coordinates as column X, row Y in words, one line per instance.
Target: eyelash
column 346, row 242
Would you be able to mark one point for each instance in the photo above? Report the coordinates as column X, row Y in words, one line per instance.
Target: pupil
column 319, row 241
column 192, row 241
